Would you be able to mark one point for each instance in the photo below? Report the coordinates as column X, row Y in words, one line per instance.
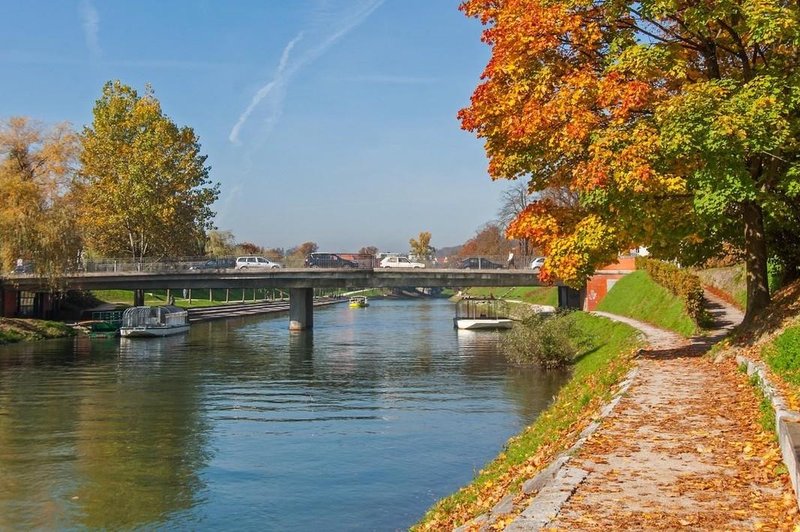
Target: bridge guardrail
column 179, row 264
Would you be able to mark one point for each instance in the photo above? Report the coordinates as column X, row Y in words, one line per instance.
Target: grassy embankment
column 783, row 355
column 604, row 359
column 637, row 296
column 200, row 298
column 536, row 295
column 14, row 330
column 774, row 337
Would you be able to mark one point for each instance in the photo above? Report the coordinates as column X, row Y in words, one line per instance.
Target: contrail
column 91, row 27
column 265, row 90
column 276, row 87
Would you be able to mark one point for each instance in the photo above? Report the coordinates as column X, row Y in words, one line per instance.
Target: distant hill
column 448, row 251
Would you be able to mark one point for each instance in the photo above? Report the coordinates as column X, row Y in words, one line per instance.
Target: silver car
column 251, row 261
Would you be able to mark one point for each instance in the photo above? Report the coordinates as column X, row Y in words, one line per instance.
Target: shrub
column 682, row 283
column 542, row 340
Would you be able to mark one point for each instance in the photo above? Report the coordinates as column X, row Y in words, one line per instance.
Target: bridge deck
column 283, row 278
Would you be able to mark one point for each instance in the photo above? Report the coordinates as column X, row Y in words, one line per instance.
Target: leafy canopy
column 421, row 246
column 674, row 122
column 147, row 190
column 38, row 178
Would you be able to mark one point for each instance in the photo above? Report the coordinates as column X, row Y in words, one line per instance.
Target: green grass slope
column 536, row 295
column 200, row 298
column 783, row 355
column 637, row 296
column 14, row 330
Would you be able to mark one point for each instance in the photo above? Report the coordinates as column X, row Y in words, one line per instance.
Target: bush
column 542, row 340
column 682, row 283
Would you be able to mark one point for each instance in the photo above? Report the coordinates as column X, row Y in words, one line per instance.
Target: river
column 359, row 425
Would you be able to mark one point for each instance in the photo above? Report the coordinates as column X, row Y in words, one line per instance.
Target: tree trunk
column 756, row 259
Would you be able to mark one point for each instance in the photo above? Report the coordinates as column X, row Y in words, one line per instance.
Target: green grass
column 200, row 298
column 766, row 417
column 14, row 330
column 783, row 355
column 639, row 297
column 536, row 295
column 602, row 362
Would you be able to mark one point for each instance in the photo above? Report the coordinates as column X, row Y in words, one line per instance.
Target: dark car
column 25, row 267
column 215, row 264
column 328, row 260
column 478, row 263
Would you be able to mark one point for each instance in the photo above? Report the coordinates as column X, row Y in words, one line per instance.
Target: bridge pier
column 138, row 298
column 301, row 309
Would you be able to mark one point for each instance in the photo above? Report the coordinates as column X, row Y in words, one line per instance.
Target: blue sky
column 324, row 120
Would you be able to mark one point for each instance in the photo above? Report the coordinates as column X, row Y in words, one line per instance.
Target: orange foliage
column 550, row 109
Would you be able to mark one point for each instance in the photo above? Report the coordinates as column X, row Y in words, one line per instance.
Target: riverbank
column 13, row 330
column 690, row 444
column 605, row 358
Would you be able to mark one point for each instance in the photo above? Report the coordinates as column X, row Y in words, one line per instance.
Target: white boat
column 482, row 313
column 483, row 323
column 149, row 322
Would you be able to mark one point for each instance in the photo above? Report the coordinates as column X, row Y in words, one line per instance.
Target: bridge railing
column 149, row 265
column 483, row 262
column 351, row 260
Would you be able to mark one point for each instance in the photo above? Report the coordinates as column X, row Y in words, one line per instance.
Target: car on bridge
column 479, row 263
column 251, row 261
column 215, row 264
column 399, row 262
column 536, row 264
column 328, row 260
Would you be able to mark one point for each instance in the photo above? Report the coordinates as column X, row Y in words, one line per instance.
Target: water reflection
column 236, row 423
column 101, row 446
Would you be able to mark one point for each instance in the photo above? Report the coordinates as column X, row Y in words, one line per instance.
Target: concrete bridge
column 300, row 283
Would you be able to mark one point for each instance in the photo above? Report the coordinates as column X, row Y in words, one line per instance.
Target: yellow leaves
column 37, row 194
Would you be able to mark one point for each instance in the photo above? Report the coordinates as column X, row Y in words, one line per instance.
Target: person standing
column 510, row 263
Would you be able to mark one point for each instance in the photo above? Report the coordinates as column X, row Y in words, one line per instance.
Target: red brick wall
column 598, row 285
column 626, row 264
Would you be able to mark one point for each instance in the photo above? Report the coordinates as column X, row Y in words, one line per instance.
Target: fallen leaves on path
column 684, row 449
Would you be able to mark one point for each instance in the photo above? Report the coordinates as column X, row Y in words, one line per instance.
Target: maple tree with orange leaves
column 675, row 123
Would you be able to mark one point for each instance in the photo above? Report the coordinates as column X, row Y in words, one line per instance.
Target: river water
column 359, row 425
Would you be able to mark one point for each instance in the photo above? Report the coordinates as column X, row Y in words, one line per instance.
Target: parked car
column 328, row 260
column 215, row 264
column 479, row 263
column 536, row 264
column 399, row 262
column 23, row 267
column 242, row 263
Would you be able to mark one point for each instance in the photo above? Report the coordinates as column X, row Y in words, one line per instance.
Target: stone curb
column 553, row 485
column 787, row 422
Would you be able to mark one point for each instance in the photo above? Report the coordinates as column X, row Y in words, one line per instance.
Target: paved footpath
column 683, row 450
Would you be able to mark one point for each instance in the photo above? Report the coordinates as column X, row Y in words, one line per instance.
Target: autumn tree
column 274, row 254
column 421, row 246
column 148, row 192
column 675, row 123
column 304, row 249
column 368, row 250
column 220, row 243
column 489, row 240
column 247, row 248
column 295, row 257
column 38, row 203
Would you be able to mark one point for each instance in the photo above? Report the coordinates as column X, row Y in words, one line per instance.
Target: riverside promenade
column 684, row 449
